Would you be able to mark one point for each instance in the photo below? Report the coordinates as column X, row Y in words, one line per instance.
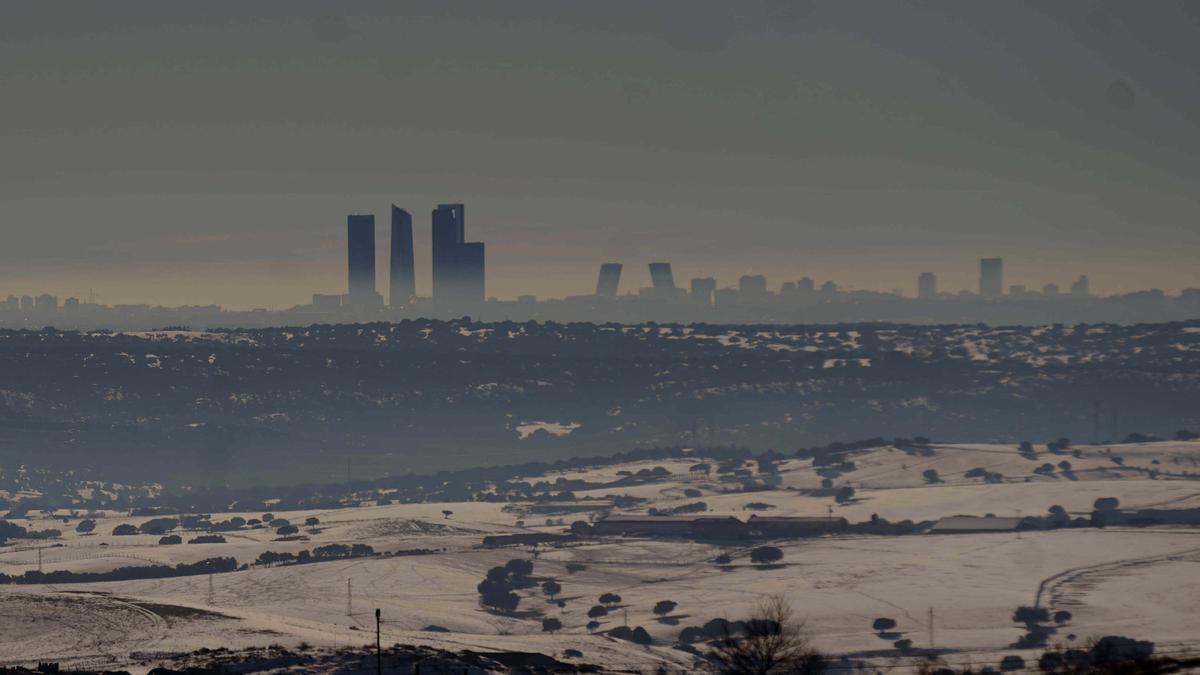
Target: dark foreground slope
column 284, row 405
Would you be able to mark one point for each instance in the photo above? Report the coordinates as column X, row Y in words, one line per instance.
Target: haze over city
column 853, row 141
column 600, row 337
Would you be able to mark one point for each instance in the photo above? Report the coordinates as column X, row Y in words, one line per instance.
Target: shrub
column 572, row 568
column 312, row 521
column 1107, row 504
column 551, row 625
column 285, row 530
column 597, row 611
column 904, row 645
column 766, row 555
column 610, row 599
column 551, row 588
column 170, row 539
column 931, row 476
column 519, row 568
column 883, row 624
column 124, row 530
column 664, row 607
column 1012, row 662
column 85, row 526
column 723, row 559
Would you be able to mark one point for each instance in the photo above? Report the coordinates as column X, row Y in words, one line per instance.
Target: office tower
column 991, row 277
column 458, row 266
column 402, row 277
column 71, row 306
column 1050, row 290
column 829, row 288
column 703, row 289
column 360, row 247
column 752, row 285
column 609, row 280
column 787, row 288
column 1016, row 291
column 927, row 286
column 26, row 303
column 806, row 285
column 661, row 278
column 1081, row 288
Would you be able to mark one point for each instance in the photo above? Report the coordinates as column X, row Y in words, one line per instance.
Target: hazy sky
column 209, row 151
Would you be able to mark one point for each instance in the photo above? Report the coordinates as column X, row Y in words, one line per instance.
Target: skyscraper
column 661, row 278
column 360, row 247
column 458, row 266
column 402, row 278
column 991, row 277
column 927, row 286
column 610, row 280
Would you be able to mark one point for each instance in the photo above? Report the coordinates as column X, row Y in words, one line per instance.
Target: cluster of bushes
column 496, row 591
column 206, row 566
column 318, row 554
column 13, row 531
column 693, row 507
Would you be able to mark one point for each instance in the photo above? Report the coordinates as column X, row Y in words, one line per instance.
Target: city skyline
column 853, row 145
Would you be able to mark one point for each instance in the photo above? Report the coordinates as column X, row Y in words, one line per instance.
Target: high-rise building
column 703, row 289
column 609, row 281
column 927, row 286
column 991, row 277
column 1081, row 288
column 1050, row 290
column 806, row 285
column 661, row 278
column 26, row 303
column 752, row 285
column 360, row 248
column 458, row 266
column 46, row 304
column 402, row 277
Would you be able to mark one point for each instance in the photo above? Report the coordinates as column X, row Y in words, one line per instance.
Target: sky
column 194, row 153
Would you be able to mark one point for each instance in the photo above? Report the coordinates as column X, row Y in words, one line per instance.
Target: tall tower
column 661, row 278
column 610, row 280
column 927, row 286
column 458, row 266
column 991, row 277
column 360, row 247
column 402, row 277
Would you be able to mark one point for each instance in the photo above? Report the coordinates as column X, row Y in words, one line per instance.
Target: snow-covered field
column 1143, row 583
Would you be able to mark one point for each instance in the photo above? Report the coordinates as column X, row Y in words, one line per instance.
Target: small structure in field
column 975, row 525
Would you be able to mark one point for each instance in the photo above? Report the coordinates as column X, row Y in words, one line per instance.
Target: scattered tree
column 773, row 641
column 766, row 555
column 551, row 588
column 665, row 607
column 85, row 526
column 597, row 611
column 551, row 625
column 610, row 599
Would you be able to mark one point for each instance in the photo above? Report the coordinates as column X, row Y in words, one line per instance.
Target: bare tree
column 773, row 642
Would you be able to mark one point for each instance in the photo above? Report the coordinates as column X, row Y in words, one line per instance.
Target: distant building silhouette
column 829, row 288
column 1017, row 291
column 1081, row 288
column 1050, row 290
column 360, row 249
column 326, row 303
column 46, row 304
column 402, row 276
column 609, row 282
column 26, row 303
column 752, row 285
column 806, row 285
column 991, row 277
column 927, row 286
column 458, row 266
column 703, row 289
column 661, row 277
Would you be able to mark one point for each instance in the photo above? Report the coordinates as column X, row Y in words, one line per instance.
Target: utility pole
column 349, row 604
column 932, row 644
column 378, row 652
column 210, row 589
column 39, row 560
